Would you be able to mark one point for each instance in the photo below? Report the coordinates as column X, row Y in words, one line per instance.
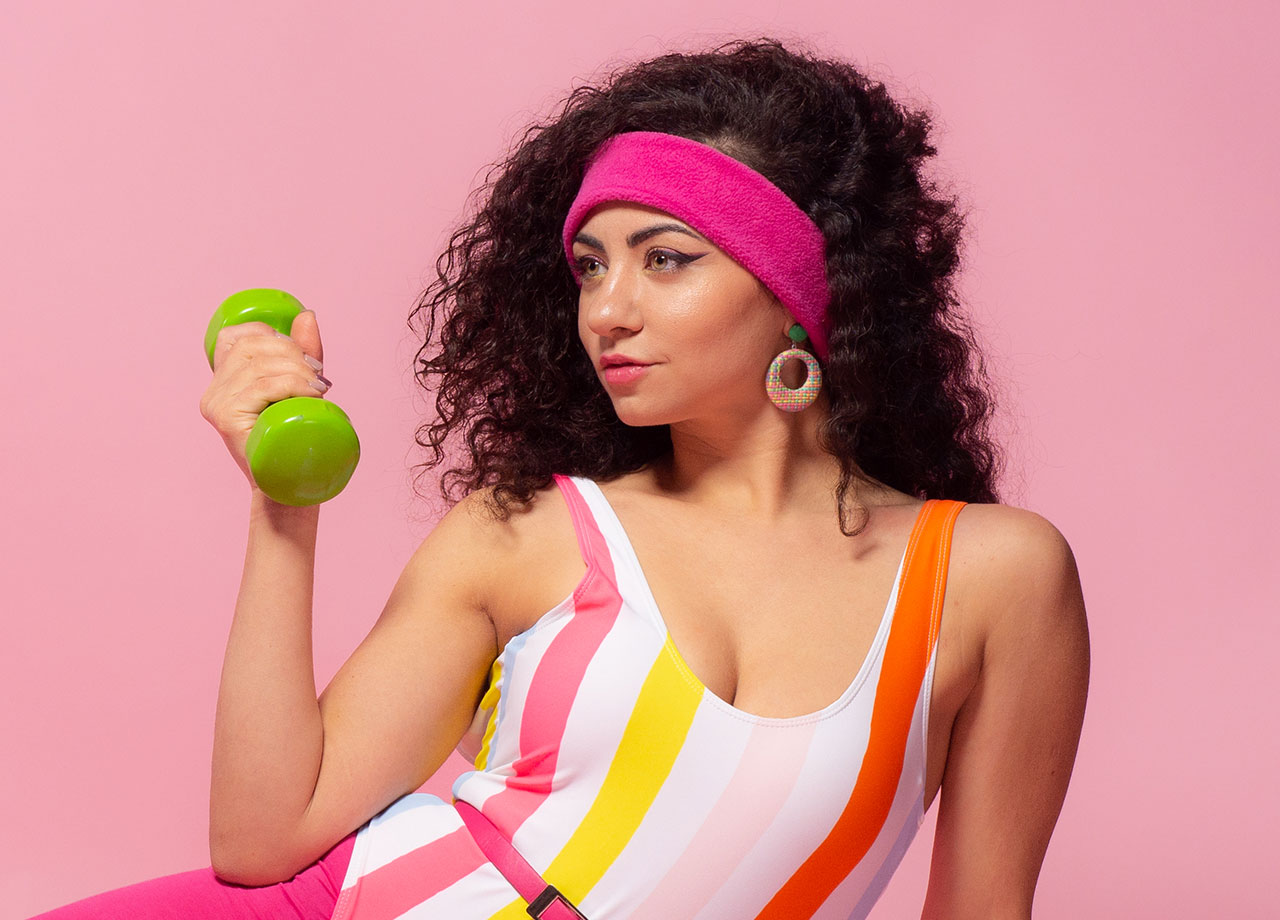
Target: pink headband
column 727, row 201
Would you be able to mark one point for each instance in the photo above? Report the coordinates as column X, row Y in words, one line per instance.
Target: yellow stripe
column 653, row 737
column 490, row 702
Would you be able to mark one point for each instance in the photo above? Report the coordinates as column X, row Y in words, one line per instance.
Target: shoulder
column 479, row 546
column 1014, row 550
column 474, row 526
column 1016, row 574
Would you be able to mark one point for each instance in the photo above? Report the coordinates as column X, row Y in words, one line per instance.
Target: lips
column 619, row 370
column 608, row 361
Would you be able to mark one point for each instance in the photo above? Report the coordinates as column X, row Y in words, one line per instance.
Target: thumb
column 306, row 332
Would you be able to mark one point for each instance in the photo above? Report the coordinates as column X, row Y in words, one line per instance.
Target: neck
column 768, row 465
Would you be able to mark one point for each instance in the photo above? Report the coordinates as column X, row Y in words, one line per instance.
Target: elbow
column 242, row 863
column 235, row 874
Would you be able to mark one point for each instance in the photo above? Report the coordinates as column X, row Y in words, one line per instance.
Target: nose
column 610, row 306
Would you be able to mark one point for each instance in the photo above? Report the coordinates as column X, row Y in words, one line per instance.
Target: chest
column 773, row 621
column 776, row 621
column 781, row 623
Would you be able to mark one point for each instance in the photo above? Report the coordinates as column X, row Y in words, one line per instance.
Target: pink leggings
column 309, row 895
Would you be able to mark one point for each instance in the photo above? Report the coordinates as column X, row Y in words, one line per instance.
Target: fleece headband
column 726, row 201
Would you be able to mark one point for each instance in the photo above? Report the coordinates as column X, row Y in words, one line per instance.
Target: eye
column 666, row 260
column 587, row 266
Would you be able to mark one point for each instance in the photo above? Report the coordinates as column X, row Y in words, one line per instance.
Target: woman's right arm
column 293, row 773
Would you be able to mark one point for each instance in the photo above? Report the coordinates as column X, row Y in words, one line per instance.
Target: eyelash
column 679, row 258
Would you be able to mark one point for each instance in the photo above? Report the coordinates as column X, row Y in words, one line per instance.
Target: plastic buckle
column 549, row 896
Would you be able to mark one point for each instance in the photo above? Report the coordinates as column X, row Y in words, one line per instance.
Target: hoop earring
column 781, row 395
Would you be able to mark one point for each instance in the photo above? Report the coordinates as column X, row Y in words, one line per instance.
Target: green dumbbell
column 302, row 450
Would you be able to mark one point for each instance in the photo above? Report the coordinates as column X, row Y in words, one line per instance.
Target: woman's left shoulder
column 1009, row 560
column 1010, row 534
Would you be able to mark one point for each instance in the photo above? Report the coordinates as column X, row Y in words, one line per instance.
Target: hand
column 255, row 366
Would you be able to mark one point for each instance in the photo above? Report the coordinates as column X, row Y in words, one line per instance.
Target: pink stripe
column 555, row 684
column 766, row 774
column 408, row 880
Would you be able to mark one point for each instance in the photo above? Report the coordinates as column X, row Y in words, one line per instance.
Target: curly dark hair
column 910, row 402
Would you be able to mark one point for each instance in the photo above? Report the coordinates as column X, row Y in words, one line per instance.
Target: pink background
column 1120, row 167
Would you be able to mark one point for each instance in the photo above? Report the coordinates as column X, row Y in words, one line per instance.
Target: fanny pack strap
column 545, row 902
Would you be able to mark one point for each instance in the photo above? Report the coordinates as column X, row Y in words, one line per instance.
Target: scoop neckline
column 654, row 612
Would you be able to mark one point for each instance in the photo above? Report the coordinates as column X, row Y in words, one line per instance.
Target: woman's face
column 698, row 329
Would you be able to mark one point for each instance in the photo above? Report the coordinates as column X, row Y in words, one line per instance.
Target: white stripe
column 408, row 823
column 597, row 721
column 701, row 771
column 821, row 791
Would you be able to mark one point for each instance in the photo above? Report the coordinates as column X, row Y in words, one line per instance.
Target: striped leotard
column 639, row 793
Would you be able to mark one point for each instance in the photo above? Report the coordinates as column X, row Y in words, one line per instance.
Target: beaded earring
column 782, row 396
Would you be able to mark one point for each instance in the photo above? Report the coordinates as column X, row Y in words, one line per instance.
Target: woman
column 715, row 638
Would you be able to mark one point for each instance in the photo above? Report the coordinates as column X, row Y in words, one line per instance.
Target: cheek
column 738, row 323
column 719, row 310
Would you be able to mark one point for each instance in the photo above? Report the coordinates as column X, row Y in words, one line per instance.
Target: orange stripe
column 906, row 657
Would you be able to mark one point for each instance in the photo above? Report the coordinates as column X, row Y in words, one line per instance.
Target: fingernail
column 321, row 384
column 312, row 362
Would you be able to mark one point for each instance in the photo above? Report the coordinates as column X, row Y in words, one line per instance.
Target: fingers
column 252, row 342
column 306, row 332
column 228, row 336
column 234, row 400
column 252, row 362
column 268, row 390
column 254, row 366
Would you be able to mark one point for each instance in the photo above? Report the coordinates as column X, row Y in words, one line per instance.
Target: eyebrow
column 640, row 236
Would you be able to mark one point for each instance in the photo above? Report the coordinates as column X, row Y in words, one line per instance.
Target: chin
column 641, row 419
column 635, row 415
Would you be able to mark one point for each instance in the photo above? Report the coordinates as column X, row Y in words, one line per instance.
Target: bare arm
column 292, row 774
column 268, row 736
column 1015, row 737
